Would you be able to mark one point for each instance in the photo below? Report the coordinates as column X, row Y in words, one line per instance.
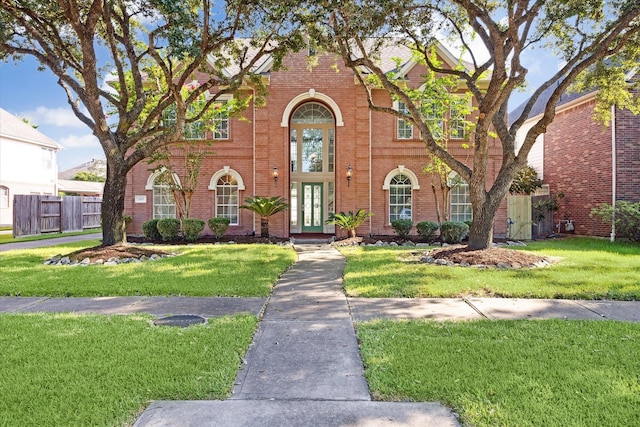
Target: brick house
column 315, row 130
column 586, row 161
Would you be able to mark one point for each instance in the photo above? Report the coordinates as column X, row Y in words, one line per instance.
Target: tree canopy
column 598, row 40
column 123, row 63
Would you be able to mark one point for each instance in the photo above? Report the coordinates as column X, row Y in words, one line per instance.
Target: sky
column 35, row 95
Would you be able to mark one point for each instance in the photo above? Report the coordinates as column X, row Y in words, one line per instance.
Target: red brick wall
column 628, row 156
column 577, row 153
column 353, row 145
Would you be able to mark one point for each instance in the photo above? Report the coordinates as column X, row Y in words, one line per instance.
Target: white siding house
column 27, row 163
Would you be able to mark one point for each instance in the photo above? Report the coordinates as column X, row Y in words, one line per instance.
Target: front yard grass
column 587, row 269
column 199, row 270
column 510, row 373
column 66, row 370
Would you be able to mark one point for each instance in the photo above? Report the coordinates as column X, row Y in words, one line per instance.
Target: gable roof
column 565, row 98
column 13, row 127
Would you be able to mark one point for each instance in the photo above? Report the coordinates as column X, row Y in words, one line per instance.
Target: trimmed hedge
column 453, row 232
column 427, row 229
column 192, row 228
column 402, row 227
column 150, row 230
column 219, row 226
column 169, row 229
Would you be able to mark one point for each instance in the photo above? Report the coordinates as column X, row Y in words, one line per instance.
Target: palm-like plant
column 349, row 221
column 265, row 207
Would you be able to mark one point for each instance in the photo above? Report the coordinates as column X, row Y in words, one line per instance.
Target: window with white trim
column 227, row 198
column 435, row 121
column 458, row 111
column 220, row 121
column 400, row 188
column 164, row 205
column 4, row 197
column 405, row 127
column 460, row 202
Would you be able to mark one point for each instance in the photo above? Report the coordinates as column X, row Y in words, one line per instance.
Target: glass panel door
column 312, row 218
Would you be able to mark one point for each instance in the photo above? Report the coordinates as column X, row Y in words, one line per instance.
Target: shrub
column 192, row 228
column 150, row 230
column 627, row 218
column 453, row 232
column 219, row 226
column 402, row 227
column 169, row 229
column 427, row 229
column 350, row 221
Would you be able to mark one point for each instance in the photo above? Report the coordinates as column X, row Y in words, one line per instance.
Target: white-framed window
column 227, row 198
column 4, row 197
column 164, row 205
column 405, row 127
column 435, row 121
column 458, row 117
column 400, row 198
column 220, row 121
column 460, row 201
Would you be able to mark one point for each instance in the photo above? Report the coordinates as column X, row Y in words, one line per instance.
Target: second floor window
column 405, row 127
column 220, row 121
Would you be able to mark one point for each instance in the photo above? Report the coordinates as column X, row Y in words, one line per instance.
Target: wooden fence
column 542, row 219
column 35, row 214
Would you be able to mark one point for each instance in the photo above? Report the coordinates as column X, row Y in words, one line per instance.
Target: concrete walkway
column 304, row 366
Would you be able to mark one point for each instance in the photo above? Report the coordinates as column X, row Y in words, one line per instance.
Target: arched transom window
column 312, row 139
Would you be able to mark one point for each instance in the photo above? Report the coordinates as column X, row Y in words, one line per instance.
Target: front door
column 312, row 218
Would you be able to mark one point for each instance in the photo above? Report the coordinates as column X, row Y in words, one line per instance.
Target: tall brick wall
column 628, row 156
column 577, row 153
column 367, row 142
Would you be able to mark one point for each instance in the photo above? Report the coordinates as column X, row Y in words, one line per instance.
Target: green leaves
column 349, row 221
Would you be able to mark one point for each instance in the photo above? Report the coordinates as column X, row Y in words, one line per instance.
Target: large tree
column 150, row 50
column 598, row 40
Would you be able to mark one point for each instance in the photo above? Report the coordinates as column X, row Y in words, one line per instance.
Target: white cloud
column 59, row 117
column 78, row 141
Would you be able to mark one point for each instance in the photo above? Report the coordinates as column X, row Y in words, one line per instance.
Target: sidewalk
column 48, row 242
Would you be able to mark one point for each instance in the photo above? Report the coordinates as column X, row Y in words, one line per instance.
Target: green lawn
column 65, row 370
column 588, row 269
column 8, row 238
column 510, row 373
column 199, row 270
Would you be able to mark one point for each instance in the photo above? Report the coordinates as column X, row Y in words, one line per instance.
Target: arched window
column 4, row 197
column 460, row 201
column 227, row 198
column 400, row 182
column 164, row 205
column 400, row 198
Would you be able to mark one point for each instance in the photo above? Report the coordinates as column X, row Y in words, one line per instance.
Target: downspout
column 613, row 171
column 370, row 174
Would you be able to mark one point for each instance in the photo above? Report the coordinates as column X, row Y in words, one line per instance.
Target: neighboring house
column 317, row 144
column 588, row 162
column 27, row 163
column 67, row 183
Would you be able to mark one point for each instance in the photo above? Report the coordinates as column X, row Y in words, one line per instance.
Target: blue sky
column 27, row 92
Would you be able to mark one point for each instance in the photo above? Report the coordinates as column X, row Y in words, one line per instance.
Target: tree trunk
column 481, row 230
column 113, row 226
column 264, row 226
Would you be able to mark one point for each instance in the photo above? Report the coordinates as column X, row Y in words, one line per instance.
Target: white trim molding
column 226, row 170
column 310, row 96
column 404, row 171
column 152, row 179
